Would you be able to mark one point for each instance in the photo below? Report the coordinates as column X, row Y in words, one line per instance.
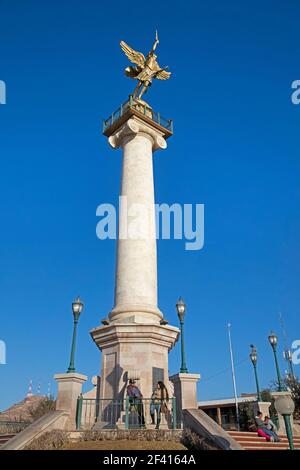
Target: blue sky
column 235, row 149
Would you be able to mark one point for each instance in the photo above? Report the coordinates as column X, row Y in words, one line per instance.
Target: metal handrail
column 113, row 411
column 133, row 103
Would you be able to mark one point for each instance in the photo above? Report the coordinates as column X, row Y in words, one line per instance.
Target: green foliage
column 246, row 415
column 293, row 385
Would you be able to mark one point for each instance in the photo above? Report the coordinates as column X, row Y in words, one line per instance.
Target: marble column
column 135, row 340
column 136, row 266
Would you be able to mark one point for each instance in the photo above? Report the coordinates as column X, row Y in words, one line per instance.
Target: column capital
column 133, row 127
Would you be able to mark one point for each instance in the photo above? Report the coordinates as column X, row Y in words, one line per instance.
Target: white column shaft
column 136, row 270
column 136, row 274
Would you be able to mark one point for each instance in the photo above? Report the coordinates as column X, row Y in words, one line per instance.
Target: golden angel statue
column 145, row 69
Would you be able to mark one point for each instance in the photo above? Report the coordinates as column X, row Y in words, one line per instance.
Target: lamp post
column 253, row 358
column 273, row 340
column 77, row 307
column 181, row 308
column 284, row 404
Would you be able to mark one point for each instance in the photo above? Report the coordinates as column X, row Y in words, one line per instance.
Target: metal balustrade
column 124, row 413
column 141, row 108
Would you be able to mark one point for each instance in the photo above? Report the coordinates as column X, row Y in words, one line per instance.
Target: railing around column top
column 90, row 410
column 140, row 107
column 128, row 413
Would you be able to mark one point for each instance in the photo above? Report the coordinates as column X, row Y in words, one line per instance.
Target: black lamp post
column 253, row 358
column 77, row 307
column 181, row 308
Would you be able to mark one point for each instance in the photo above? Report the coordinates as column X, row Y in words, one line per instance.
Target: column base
column 135, row 314
column 136, row 351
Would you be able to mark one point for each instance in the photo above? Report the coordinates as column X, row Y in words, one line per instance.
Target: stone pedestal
column 282, row 429
column 69, row 389
column 131, row 350
column 185, row 391
column 263, row 406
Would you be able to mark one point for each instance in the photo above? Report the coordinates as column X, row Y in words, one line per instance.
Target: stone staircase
column 4, row 438
column 251, row 441
column 55, row 419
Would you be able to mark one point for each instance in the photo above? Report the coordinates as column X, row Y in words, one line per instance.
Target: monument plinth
column 135, row 336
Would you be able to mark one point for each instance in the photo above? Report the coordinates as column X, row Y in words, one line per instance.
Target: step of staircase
column 251, row 441
column 5, row 438
column 262, row 439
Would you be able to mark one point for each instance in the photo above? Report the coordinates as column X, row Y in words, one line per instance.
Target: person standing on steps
column 136, row 401
column 159, row 403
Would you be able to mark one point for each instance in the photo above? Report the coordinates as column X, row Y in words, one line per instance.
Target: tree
column 293, row 385
column 246, row 415
column 44, row 406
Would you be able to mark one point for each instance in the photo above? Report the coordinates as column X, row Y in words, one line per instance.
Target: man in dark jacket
column 136, row 400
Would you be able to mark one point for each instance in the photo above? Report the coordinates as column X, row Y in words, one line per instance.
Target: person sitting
column 270, row 425
column 262, row 429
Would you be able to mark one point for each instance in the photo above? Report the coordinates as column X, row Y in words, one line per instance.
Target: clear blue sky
column 235, row 149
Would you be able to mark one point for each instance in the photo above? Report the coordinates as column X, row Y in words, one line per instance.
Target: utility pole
column 233, row 378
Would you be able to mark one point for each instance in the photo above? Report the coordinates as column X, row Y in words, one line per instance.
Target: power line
column 223, row 371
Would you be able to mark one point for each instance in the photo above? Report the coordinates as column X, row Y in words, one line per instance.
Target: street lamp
column 181, row 308
column 285, row 406
column 253, row 358
column 273, row 340
column 77, row 307
column 283, row 403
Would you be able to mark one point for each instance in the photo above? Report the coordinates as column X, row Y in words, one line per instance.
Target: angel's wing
column 134, row 56
column 163, row 75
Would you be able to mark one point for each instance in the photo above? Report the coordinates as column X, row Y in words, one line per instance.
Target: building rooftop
column 226, row 401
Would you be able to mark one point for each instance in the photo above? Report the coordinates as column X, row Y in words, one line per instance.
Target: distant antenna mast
column 233, row 378
column 49, row 390
column 286, row 352
column 39, row 389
